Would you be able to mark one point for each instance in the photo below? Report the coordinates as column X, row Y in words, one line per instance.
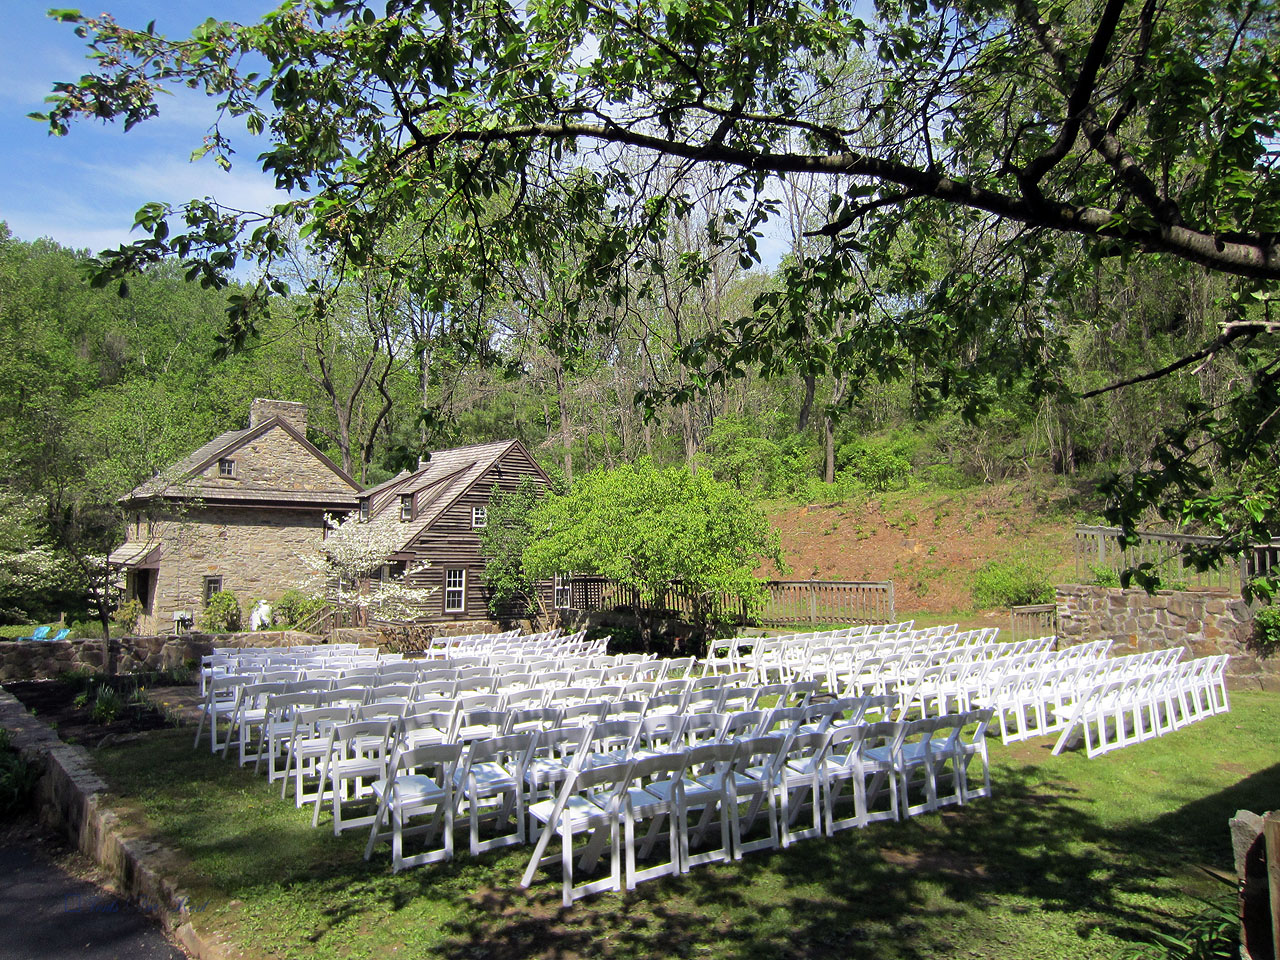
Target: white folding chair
column 491, row 781
column 590, row 801
column 418, row 782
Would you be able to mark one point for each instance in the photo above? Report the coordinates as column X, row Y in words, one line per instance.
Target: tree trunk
column 829, row 448
column 806, row 404
column 566, row 428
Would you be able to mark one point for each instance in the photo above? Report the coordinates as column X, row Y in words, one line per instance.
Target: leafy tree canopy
column 971, row 161
column 651, row 529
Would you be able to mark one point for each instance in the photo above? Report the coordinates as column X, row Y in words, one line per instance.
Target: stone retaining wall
column 42, row 660
column 1204, row 623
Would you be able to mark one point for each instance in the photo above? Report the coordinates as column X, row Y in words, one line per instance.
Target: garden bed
column 76, row 708
column 1071, row 858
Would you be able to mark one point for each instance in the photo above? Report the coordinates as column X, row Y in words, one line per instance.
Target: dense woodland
column 1019, row 237
column 104, row 386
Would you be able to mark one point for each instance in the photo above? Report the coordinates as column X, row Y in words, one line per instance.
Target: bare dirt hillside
column 930, row 543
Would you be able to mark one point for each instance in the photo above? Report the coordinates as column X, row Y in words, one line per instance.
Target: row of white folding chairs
column 960, row 684
column 481, row 643
column 842, row 667
column 919, row 649
column 608, row 787
column 742, row 651
column 1116, row 713
column 1039, row 701
column 262, row 718
column 244, row 700
column 408, row 670
column 762, row 652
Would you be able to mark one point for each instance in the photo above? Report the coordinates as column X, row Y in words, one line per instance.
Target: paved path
column 47, row 914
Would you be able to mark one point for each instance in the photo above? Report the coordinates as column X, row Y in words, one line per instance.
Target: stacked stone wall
column 43, row 660
column 258, row 552
column 1204, row 623
column 275, row 461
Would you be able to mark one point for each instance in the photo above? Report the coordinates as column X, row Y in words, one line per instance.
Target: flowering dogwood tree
column 344, row 564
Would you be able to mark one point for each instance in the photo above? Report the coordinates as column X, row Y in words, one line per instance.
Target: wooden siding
column 451, row 542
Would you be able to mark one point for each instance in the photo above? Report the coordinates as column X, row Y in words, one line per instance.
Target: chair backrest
column 477, row 724
column 480, row 701
column 442, row 758
column 393, row 709
column 513, row 751
column 661, row 732
column 739, row 726
column 624, row 709
column 578, row 714
column 609, row 736
column 704, row 727
column 532, row 718
column 315, row 722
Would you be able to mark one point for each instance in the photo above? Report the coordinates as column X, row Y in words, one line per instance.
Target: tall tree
column 1015, row 125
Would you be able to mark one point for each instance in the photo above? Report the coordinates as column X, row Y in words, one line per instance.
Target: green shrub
column 1010, row 583
column 1266, row 630
column 221, row 613
column 1103, row 575
column 107, row 705
column 295, row 607
column 127, row 614
column 875, row 463
column 1212, row 934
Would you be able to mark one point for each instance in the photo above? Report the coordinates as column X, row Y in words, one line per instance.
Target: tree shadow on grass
column 926, row 887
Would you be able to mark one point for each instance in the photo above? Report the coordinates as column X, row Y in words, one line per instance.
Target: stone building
column 237, row 514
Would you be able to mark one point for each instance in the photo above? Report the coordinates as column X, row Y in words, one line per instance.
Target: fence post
column 813, row 602
column 1271, row 834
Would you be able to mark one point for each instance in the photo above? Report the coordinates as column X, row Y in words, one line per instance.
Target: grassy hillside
column 931, row 542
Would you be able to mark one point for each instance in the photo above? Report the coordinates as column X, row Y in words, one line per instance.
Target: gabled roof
column 438, row 484
column 181, row 481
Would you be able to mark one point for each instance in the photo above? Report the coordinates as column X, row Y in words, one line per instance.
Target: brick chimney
column 294, row 414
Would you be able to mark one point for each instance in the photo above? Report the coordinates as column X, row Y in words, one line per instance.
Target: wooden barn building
column 442, row 507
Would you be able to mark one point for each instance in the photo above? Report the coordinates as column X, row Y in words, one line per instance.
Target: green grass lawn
column 1071, row 858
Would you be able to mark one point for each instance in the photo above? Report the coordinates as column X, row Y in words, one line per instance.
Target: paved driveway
column 46, row 914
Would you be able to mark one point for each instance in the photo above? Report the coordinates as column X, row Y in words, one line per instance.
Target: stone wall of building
column 257, row 551
column 275, row 461
column 42, row 660
column 1204, row 623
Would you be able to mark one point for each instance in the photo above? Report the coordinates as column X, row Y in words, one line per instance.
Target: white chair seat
column 489, row 776
column 579, row 808
column 414, row 788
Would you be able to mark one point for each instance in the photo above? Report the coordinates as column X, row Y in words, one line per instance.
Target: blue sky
column 83, row 189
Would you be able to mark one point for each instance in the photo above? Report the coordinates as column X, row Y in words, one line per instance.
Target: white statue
column 260, row 618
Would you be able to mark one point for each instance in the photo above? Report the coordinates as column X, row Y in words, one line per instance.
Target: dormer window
column 364, row 509
column 479, row 517
column 406, row 506
column 227, row 468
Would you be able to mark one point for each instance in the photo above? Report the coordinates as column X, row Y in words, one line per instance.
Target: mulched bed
column 54, row 702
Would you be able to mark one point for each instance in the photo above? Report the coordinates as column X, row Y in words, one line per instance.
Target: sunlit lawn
column 1071, row 858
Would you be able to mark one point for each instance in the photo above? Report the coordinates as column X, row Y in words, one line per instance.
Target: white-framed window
column 226, row 467
column 479, row 517
column 406, row 506
column 562, row 592
column 455, row 590
column 364, row 509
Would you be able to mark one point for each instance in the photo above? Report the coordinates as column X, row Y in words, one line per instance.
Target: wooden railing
column 1099, row 549
column 1033, row 620
column 789, row 601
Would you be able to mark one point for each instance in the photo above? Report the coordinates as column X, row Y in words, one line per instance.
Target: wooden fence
column 1099, row 549
column 789, row 601
column 1034, row 620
